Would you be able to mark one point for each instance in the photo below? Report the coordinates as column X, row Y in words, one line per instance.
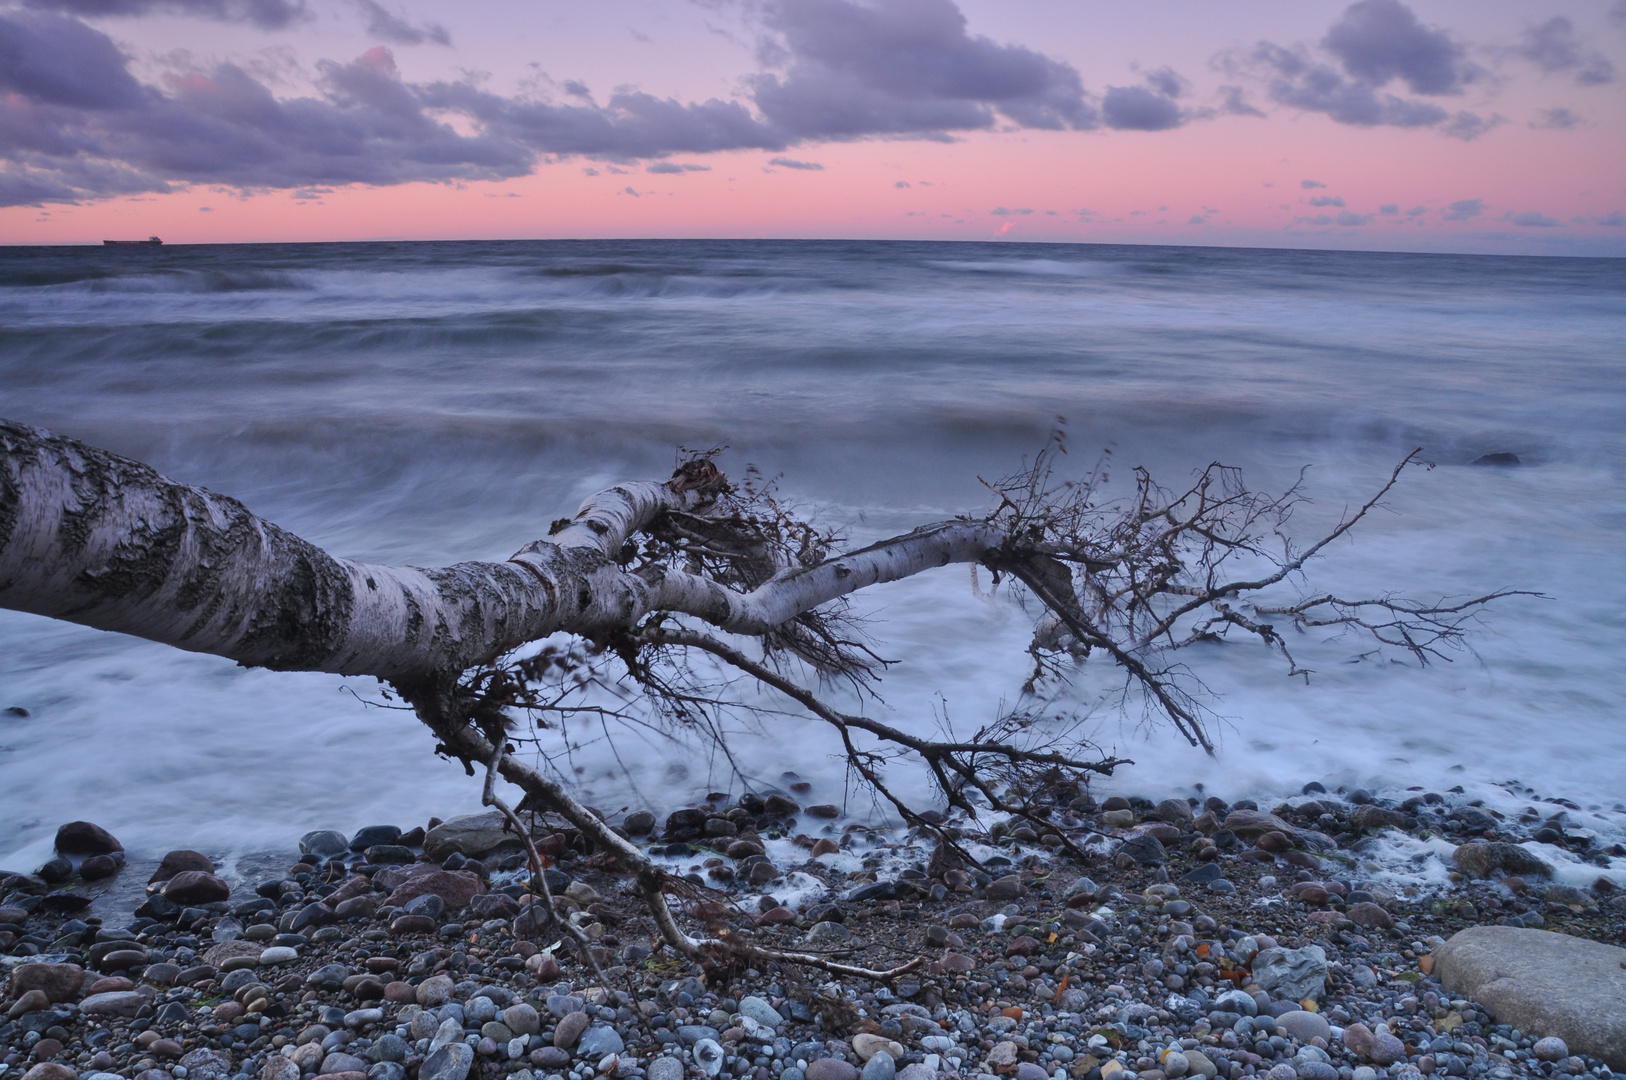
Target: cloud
column 901, row 184
column 1532, row 219
column 1556, row 119
column 1299, row 81
column 629, row 126
column 1327, row 200
column 1373, row 46
column 267, row 14
column 1136, row 108
column 1308, row 184
column 75, row 124
column 1000, row 211
column 1617, row 13
column 387, row 26
column 672, row 168
column 1167, row 82
column 849, row 70
column 1467, row 125
column 630, row 190
column 792, row 163
column 1381, row 40
column 1555, row 47
column 1616, row 220
column 1389, row 208
column 1196, row 219
column 1463, row 209
column 1234, row 102
column 1344, row 217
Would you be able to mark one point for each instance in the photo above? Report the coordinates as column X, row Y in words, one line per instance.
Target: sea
column 426, row 403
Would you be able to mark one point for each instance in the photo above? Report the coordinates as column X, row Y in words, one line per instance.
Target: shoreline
column 1137, row 965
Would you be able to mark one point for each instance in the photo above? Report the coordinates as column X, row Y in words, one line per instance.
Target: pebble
column 709, row 1057
column 760, row 1011
column 570, row 1029
column 1550, row 1048
column 599, row 1041
column 1304, row 1026
column 881, row 1066
column 867, row 1046
column 450, row 1062
column 830, row 1069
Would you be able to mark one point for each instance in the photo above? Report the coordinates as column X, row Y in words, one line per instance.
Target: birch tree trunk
column 98, row 539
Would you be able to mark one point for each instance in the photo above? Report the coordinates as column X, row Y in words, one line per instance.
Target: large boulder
column 456, row 887
column 473, row 835
column 196, row 887
column 59, row 982
column 178, row 861
column 1252, row 824
column 83, row 838
column 1544, row 984
column 1480, row 860
column 1294, row 974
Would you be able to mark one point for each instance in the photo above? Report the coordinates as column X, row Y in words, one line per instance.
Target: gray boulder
column 450, row 1062
column 1292, row 973
column 473, row 835
column 1544, row 984
column 1480, row 860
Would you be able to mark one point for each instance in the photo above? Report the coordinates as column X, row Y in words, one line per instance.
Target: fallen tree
column 648, row 576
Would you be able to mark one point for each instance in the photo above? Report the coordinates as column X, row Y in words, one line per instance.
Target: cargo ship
column 151, row 241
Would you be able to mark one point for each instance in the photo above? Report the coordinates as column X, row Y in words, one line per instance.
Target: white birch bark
column 98, row 539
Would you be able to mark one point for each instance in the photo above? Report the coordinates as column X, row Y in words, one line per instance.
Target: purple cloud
column 1136, row 108
column 1374, row 44
column 267, row 14
column 1554, row 47
column 905, row 67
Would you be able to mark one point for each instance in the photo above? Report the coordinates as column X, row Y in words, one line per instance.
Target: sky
column 1433, row 125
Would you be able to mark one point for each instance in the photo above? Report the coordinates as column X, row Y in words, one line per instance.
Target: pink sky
column 1428, row 126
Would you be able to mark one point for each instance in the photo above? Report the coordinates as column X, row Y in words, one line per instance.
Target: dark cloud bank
column 75, row 124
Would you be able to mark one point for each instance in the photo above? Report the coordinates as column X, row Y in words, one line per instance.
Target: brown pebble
column 46, row 1049
column 1273, row 841
column 776, row 916
column 32, row 1001
column 400, row 993
column 1371, row 915
column 368, row 989
column 825, row 846
column 165, row 1048
column 229, row 1011
column 1022, row 945
column 50, row 1070
column 111, row 985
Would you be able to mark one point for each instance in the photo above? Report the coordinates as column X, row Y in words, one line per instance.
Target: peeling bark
column 97, row 539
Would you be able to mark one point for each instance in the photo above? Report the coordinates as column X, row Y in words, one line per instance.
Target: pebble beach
column 1191, row 940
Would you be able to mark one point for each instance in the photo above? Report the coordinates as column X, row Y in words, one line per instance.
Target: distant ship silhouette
column 151, row 241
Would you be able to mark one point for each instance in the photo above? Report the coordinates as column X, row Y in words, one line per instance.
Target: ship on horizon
column 151, row 241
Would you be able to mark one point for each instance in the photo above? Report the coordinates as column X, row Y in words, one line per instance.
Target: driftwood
column 647, row 575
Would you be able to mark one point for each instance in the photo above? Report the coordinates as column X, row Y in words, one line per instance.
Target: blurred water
column 433, row 402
